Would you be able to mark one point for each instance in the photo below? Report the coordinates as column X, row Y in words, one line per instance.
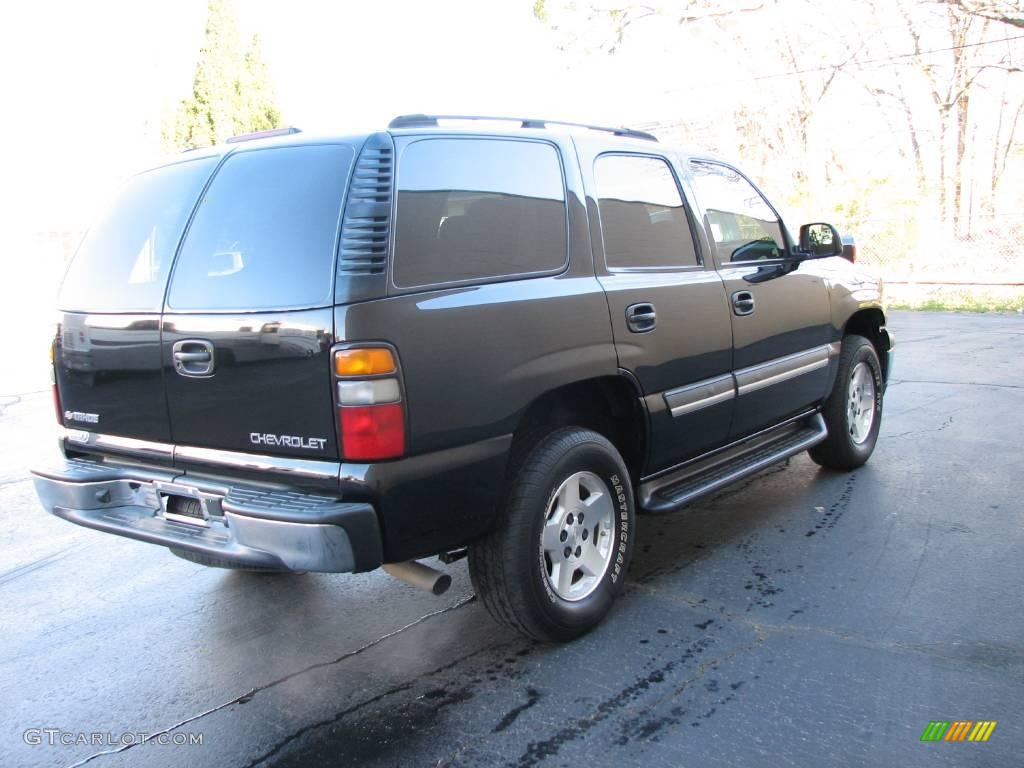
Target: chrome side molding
column 782, row 369
column 702, row 394
column 720, row 389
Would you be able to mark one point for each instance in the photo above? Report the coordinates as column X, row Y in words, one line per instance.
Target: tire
column 558, row 596
column 218, row 562
column 850, row 442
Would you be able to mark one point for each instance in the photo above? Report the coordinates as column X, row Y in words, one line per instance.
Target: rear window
column 643, row 220
column 264, row 235
column 478, row 209
column 122, row 264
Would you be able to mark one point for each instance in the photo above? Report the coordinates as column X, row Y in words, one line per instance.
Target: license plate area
column 183, row 504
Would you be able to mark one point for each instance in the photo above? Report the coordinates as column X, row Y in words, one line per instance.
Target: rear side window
column 264, row 235
column 122, row 264
column 743, row 226
column 643, row 220
column 477, row 209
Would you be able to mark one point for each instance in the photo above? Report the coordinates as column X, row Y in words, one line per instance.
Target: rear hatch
column 248, row 322
column 226, row 345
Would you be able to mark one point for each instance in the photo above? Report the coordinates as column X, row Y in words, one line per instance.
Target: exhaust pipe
column 420, row 576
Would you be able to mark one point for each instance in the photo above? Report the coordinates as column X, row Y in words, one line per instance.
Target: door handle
column 193, row 357
column 743, row 303
column 641, row 318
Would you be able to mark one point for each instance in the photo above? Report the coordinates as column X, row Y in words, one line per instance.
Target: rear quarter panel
column 473, row 359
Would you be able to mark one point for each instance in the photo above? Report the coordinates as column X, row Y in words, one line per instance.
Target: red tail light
column 57, row 410
column 368, row 393
column 370, row 432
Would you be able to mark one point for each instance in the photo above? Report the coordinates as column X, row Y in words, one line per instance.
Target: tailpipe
column 420, row 576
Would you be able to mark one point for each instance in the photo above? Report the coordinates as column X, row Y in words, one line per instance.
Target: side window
column 744, row 228
column 643, row 220
column 264, row 236
column 478, row 209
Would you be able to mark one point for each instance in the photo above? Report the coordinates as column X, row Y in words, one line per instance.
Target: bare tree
column 1011, row 13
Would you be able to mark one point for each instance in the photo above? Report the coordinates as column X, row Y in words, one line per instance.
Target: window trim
column 787, row 246
column 167, row 309
column 395, row 289
column 687, row 210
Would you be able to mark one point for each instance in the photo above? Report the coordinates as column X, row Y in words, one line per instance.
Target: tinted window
column 643, row 220
column 742, row 225
column 264, row 235
column 123, row 261
column 473, row 209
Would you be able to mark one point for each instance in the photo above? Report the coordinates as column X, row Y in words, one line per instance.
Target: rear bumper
column 251, row 525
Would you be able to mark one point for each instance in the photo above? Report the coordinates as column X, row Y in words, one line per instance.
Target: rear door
column 107, row 352
column 668, row 310
column 248, row 321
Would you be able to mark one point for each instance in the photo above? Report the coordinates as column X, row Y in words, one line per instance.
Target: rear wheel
column 559, row 555
column 853, row 412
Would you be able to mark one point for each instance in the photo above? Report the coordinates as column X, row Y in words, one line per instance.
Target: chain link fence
column 981, row 268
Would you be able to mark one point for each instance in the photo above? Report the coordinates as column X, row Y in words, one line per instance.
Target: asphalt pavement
column 800, row 618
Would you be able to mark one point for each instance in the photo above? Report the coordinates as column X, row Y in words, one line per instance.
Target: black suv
column 339, row 353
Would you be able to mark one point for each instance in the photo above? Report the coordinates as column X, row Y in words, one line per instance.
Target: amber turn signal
column 367, row 361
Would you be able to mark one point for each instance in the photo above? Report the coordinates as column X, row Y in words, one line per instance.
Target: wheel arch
column 609, row 405
column 870, row 323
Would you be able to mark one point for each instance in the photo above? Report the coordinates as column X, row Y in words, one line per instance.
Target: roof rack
column 263, row 134
column 423, row 121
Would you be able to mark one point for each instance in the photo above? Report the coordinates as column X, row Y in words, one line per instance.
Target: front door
column 668, row 309
column 780, row 315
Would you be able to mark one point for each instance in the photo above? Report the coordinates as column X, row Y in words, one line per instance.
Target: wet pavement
column 802, row 618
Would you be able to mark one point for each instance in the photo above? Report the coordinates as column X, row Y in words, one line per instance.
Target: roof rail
column 263, row 134
column 422, row 121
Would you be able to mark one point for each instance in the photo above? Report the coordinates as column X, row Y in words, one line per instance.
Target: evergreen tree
column 231, row 90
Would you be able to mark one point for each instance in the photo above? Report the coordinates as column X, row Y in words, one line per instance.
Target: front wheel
column 853, row 411
column 559, row 554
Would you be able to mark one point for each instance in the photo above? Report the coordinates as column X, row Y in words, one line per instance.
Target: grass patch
column 955, row 298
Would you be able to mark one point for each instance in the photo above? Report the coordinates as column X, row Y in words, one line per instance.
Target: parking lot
column 802, row 618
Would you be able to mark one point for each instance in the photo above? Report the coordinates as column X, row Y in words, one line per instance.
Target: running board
column 665, row 494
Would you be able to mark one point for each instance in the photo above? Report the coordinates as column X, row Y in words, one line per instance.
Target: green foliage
column 231, row 90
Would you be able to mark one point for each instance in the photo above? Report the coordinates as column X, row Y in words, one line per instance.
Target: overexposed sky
column 84, row 83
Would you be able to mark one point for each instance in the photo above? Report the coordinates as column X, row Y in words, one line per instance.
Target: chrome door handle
column 193, row 357
column 641, row 318
column 743, row 303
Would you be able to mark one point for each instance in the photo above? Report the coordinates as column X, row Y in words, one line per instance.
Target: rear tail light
column 58, row 411
column 371, row 414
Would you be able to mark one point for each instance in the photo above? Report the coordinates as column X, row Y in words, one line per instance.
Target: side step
column 665, row 494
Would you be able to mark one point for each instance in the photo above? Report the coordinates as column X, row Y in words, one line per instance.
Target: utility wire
column 886, row 59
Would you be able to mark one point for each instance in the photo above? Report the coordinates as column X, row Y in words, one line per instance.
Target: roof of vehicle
column 419, row 125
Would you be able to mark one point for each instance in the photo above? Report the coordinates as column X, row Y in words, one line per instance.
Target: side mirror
column 820, row 240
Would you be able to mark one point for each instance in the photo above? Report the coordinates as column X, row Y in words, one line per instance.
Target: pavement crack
column 248, row 695
column 958, row 383
column 913, row 580
column 35, row 565
column 338, row 716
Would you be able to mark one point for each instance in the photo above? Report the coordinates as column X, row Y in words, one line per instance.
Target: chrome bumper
column 253, row 526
